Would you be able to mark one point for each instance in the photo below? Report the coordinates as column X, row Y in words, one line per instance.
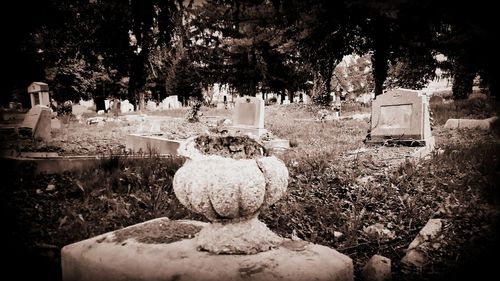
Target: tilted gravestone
column 37, row 123
column 401, row 116
column 248, row 117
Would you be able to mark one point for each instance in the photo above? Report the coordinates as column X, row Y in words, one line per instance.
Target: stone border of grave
column 51, row 164
column 147, row 143
column 481, row 124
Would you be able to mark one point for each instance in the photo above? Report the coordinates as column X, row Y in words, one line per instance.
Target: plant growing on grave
column 193, row 114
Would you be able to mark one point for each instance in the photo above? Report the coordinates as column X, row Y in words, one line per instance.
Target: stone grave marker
column 286, row 100
column 39, row 94
column 401, row 116
column 37, row 123
column 248, row 117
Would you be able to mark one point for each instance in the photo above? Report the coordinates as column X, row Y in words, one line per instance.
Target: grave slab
column 50, row 163
column 147, row 143
column 140, row 252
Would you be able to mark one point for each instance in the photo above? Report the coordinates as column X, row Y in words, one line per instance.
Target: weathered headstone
column 170, row 102
column 126, row 107
column 39, row 94
column 151, row 105
column 37, row 123
column 248, row 117
column 402, row 116
column 286, row 100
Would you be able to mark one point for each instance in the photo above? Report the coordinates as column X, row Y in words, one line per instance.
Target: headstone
column 78, row 109
column 248, row 117
column 170, row 102
column 37, row 123
column 306, row 99
column 126, row 107
column 107, row 104
column 401, row 115
column 286, row 100
column 39, row 94
column 151, row 105
column 89, row 104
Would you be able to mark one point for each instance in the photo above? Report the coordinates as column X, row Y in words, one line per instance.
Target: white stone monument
column 39, row 94
column 248, row 117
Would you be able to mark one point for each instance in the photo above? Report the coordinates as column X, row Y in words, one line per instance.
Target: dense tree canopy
column 89, row 48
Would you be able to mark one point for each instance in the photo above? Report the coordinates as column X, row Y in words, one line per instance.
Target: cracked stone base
column 244, row 237
column 102, row 258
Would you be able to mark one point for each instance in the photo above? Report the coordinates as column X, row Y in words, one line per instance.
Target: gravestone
column 170, row 102
column 37, row 123
column 401, row 116
column 248, row 117
column 126, row 107
column 39, row 94
column 286, row 100
column 151, row 105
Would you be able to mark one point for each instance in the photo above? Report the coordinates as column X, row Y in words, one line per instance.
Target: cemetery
column 326, row 162
column 250, row 140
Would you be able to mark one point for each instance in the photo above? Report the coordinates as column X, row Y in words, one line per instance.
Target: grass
column 326, row 203
column 469, row 109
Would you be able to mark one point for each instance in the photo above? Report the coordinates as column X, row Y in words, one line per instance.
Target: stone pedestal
column 154, row 250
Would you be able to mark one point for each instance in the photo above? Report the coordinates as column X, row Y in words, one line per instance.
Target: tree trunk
column 463, row 78
column 380, row 58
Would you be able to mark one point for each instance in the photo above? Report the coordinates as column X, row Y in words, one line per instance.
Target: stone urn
column 229, row 181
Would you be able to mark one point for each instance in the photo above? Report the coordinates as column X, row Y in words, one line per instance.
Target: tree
column 400, row 33
column 470, row 41
column 353, row 75
column 152, row 24
column 239, row 43
column 412, row 71
column 323, row 35
column 87, row 46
